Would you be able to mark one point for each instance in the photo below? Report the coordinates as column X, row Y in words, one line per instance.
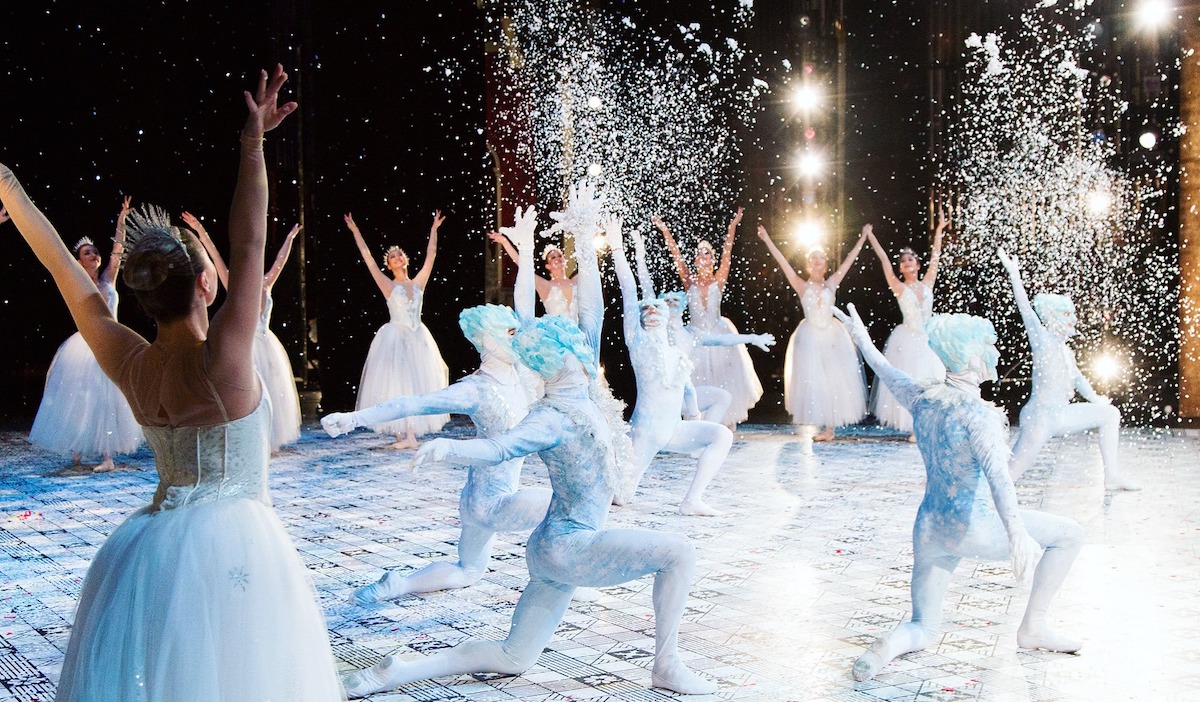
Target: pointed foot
column 674, row 675
column 1047, row 640
column 698, row 508
column 378, row 591
column 867, row 666
column 368, row 681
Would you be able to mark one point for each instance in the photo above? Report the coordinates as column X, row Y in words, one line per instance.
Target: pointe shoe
column 105, row 466
column 698, row 509
column 377, row 591
column 360, row 683
column 674, row 675
column 1047, row 640
column 826, row 435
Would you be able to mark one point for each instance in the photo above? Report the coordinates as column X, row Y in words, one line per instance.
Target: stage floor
column 808, row 565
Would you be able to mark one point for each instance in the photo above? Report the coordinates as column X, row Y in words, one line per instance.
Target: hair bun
column 146, row 268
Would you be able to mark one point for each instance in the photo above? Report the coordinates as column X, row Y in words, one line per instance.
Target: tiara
column 84, row 241
column 150, row 220
column 391, row 250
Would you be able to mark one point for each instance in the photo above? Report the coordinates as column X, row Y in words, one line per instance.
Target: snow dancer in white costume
column 723, row 366
column 199, row 596
column 579, row 434
column 663, row 373
column 270, row 358
column 970, row 506
column 403, row 358
column 1056, row 378
column 557, row 292
column 82, row 412
column 823, row 381
column 908, row 347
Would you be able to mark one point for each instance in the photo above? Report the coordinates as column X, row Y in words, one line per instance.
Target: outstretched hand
column 193, row 223
column 521, row 233
column 762, row 233
column 337, row 423
column 265, row 113
column 126, row 207
column 1010, row 263
column 764, row 341
column 1026, row 552
column 737, row 218
column 854, row 324
column 438, row 218
column 349, row 220
column 613, row 232
column 581, row 213
column 4, row 215
column 294, row 231
column 432, row 451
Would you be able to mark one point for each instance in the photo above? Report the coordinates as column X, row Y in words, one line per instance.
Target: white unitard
column 1050, row 411
column 969, row 509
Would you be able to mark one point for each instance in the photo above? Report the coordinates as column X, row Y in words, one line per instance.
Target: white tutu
column 82, row 411
column 823, row 381
column 730, row 368
column 275, row 370
column 907, row 349
column 403, row 360
column 203, row 597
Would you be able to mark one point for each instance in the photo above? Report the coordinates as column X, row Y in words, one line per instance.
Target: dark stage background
column 146, row 100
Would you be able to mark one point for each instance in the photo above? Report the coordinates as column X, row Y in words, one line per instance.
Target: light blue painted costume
column 575, row 423
column 970, row 506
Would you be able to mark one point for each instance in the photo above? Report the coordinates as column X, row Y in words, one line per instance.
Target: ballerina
column 908, row 347
column 201, row 594
column 403, row 358
column 557, row 292
column 577, row 430
column 723, row 366
column 823, row 380
column 270, row 358
column 970, row 507
column 495, row 397
column 662, row 371
column 1056, row 378
column 82, row 412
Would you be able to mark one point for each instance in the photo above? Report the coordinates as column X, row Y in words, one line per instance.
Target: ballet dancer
column 270, row 358
column 662, row 372
column 201, row 594
column 1056, row 378
column 823, row 380
column 724, row 366
column 908, row 347
column 403, row 358
column 970, row 506
column 82, row 412
column 557, row 292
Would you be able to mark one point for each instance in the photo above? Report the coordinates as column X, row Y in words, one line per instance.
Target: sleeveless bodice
column 404, row 309
column 916, row 311
column 704, row 306
column 817, row 302
column 110, row 295
column 206, row 464
column 264, row 319
column 556, row 304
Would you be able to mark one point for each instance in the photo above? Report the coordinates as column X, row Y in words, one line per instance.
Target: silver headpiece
column 83, row 241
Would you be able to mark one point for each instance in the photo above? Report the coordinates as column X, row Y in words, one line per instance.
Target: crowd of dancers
column 201, row 595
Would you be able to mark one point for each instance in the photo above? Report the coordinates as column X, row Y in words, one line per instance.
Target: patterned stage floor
column 810, row 562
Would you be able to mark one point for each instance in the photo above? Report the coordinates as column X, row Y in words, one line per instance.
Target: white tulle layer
column 82, row 411
column 207, row 603
column 908, row 350
column 728, row 367
column 823, row 377
column 271, row 362
column 403, row 361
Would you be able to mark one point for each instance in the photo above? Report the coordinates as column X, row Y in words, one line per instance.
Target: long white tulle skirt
column 823, row 377
column 730, row 368
column 271, row 362
column 908, row 350
column 403, row 361
column 206, row 603
column 82, row 411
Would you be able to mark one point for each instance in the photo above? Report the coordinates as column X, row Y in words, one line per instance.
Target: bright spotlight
column 1153, row 14
column 1148, row 140
column 594, row 170
column 600, row 242
column 806, row 98
column 809, row 164
column 1098, row 202
column 1106, row 367
column 809, row 234
column 595, row 102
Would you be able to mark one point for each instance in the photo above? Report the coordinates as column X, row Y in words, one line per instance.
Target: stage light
column 594, row 170
column 809, row 164
column 595, row 102
column 1153, row 14
column 1148, row 140
column 1106, row 367
column 808, row 234
column 806, row 98
column 1098, row 203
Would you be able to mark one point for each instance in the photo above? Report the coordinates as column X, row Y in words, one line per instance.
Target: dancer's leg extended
column 713, row 441
column 1062, row 539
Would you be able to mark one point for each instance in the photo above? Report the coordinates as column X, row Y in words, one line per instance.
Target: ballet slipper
column 105, row 466
column 912, row 438
column 406, row 443
column 378, row 591
column 671, row 674
column 826, row 435
column 1047, row 639
column 360, row 683
column 697, row 508
column 867, row 666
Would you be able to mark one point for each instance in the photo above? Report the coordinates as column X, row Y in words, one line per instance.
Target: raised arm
column 207, row 242
column 630, row 309
column 382, row 281
column 522, row 234
column 935, row 255
column 889, row 273
column 727, row 250
column 110, row 272
column 422, row 277
column 794, row 280
column 762, row 341
column 538, row 431
column 905, row 389
column 579, row 218
column 1033, row 325
column 645, row 280
column 461, row 398
column 281, row 258
column 685, row 275
column 110, row 341
column 836, row 278
column 231, row 334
